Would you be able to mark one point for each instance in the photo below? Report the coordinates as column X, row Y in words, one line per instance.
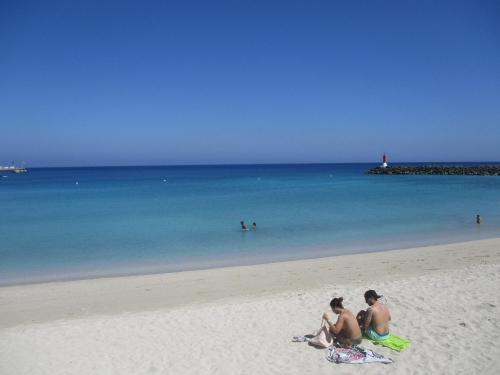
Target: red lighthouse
column 384, row 161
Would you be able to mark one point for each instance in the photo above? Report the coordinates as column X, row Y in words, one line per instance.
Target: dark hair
column 371, row 294
column 336, row 302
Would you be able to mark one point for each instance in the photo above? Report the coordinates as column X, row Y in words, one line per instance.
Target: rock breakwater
column 469, row 170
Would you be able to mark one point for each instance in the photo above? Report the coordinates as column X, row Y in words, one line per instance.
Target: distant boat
column 14, row 169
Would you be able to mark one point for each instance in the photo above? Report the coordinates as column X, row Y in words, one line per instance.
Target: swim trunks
column 372, row 334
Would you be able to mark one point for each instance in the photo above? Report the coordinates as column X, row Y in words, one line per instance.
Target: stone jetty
column 469, row 170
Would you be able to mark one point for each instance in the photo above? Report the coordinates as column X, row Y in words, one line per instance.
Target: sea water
column 70, row 223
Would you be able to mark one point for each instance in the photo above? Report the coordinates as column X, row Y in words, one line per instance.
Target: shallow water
column 86, row 222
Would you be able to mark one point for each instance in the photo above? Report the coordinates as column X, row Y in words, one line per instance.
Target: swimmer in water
column 254, row 226
column 243, row 225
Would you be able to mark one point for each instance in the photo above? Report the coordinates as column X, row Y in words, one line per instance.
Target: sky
column 220, row 82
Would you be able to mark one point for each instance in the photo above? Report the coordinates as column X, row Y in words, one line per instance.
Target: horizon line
column 251, row 164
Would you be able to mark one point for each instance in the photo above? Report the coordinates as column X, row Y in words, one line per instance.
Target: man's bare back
column 378, row 318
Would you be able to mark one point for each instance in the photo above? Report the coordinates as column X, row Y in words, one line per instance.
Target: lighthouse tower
column 384, row 161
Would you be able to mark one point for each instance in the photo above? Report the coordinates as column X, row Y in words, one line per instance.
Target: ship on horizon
column 13, row 168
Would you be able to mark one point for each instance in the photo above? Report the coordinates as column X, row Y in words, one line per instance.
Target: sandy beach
column 240, row 320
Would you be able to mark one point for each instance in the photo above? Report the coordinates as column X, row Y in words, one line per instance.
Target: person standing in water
column 243, row 225
column 254, row 226
column 478, row 219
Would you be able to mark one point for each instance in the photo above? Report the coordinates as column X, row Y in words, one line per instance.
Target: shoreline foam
column 293, row 254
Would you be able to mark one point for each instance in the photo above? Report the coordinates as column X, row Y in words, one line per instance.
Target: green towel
column 394, row 342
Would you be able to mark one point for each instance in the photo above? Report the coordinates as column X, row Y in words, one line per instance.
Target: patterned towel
column 355, row 355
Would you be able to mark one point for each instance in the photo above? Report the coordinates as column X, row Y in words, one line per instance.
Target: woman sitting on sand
column 346, row 329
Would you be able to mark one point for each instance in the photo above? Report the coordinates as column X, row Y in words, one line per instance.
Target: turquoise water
column 151, row 219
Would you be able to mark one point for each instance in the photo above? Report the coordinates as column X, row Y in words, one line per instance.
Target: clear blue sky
column 150, row 82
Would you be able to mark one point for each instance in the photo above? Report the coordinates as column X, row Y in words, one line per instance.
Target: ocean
column 75, row 223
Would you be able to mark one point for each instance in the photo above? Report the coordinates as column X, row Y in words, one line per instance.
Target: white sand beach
column 240, row 320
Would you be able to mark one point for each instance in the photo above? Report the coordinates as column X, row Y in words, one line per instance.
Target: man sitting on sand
column 374, row 322
column 346, row 329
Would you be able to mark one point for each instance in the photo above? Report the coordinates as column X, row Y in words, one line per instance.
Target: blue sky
column 163, row 82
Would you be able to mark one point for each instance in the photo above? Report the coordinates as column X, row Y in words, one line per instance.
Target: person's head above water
column 371, row 297
column 336, row 304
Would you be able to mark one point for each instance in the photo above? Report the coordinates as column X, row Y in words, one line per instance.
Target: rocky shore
column 470, row 170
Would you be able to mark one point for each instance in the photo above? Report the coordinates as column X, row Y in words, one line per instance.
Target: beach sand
column 240, row 320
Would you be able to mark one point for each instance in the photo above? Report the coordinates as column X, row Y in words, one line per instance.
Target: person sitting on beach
column 243, row 225
column 374, row 322
column 346, row 329
column 254, row 226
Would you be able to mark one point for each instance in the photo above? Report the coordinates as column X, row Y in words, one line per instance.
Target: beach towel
column 355, row 355
column 392, row 342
